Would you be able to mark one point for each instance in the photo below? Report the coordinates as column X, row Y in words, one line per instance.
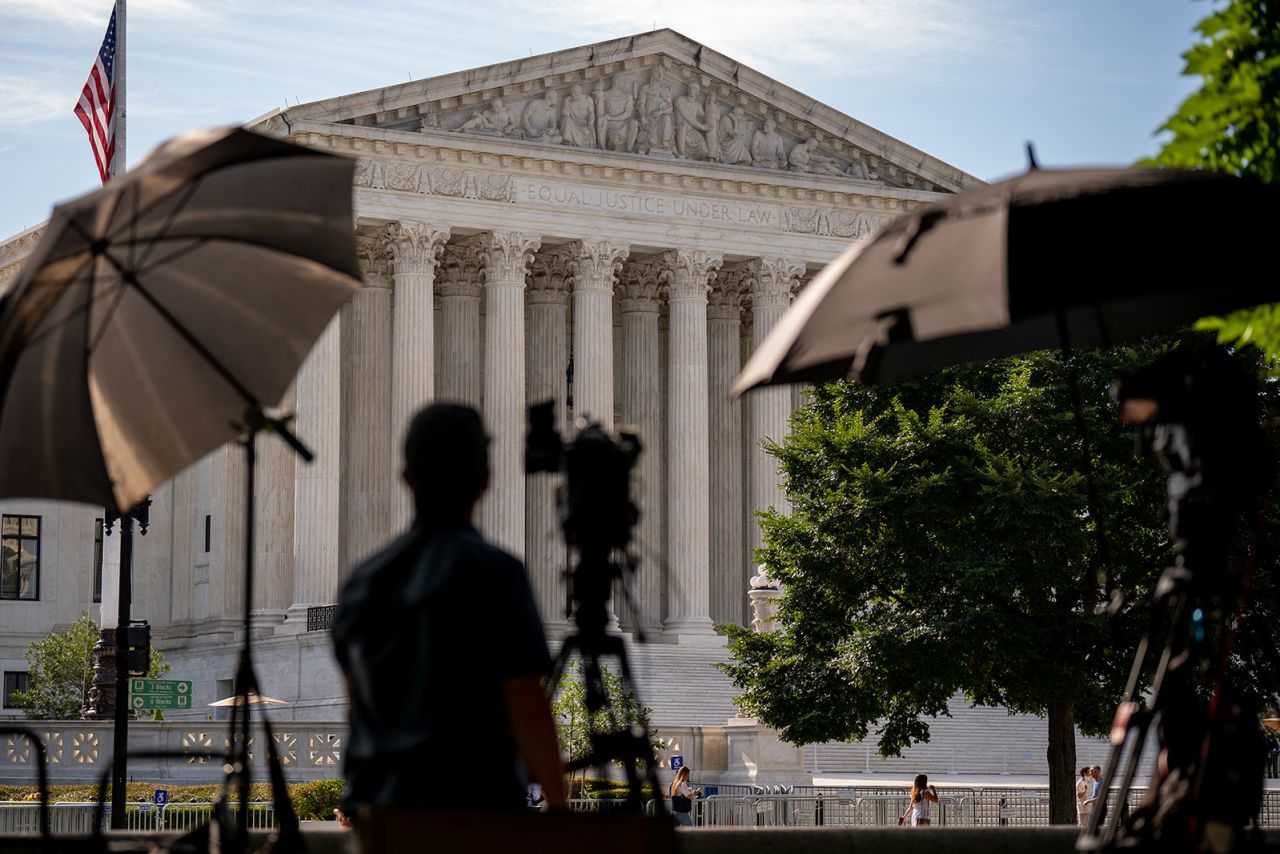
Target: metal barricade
column 77, row 818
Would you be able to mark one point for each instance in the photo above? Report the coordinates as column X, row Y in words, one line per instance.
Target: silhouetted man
column 442, row 647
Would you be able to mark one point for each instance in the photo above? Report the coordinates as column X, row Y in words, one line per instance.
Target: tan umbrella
column 160, row 315
column 255, row 699
column 1271, row 723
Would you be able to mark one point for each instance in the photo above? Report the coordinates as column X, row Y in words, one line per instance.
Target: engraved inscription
column 641, row 202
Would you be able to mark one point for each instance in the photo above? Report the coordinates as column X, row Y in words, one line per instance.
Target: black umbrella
column 1070, row 258
column 158, row 318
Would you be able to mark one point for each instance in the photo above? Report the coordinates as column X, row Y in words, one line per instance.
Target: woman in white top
column 922, row 794
column 682, row 795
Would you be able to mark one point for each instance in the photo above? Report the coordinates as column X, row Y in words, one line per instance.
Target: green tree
column 60, row 669
column 941, row 541
column 1232, row 124
column 575, row 723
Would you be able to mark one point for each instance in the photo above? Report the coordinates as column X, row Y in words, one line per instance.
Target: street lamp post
column 120, row 743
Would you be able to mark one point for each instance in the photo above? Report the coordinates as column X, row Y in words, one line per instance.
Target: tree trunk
column 1062, row 763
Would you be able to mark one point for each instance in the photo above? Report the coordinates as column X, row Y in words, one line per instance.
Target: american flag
column 97, row 107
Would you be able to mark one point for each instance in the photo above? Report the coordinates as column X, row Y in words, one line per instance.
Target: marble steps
column 682, row 688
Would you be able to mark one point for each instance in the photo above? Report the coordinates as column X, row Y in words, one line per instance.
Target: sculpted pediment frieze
column 656, row 108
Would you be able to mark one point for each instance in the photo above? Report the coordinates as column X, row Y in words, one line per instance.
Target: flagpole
column 118, row 161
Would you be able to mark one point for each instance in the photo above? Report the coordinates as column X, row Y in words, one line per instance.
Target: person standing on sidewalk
column 1084, row 787
column 922, row 794
column 443, row 651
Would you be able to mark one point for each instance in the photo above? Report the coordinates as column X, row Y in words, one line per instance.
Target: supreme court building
column 613, row 227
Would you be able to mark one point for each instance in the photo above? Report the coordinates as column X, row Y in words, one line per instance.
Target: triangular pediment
column 657, row 95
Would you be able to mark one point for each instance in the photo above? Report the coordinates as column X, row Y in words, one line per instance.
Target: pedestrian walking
column 1084, row 790
column 682, row 795
column 922, row 794
column 1273, row 756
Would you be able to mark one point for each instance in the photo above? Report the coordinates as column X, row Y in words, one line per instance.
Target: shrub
column 316, row 801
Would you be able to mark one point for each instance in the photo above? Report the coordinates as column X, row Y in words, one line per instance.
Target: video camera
column 597, row 511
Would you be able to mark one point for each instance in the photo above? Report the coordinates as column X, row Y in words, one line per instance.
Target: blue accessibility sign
column 677, row 762
column 161, row 797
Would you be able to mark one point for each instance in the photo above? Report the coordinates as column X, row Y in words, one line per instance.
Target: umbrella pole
column 246, row 679
column 1103, row 572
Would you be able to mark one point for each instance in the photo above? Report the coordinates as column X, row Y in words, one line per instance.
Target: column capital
column 640, row 285
column 373, row 251
column 549, row 278
column 691, row 273
column 417, row 247
column 723, row 302
column 462, row 269
column 507, row 256
column 772, row 280
column 596, row 264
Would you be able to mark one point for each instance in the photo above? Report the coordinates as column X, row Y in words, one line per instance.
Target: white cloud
column 819, row 36
column 92, row 13
column 25, row 100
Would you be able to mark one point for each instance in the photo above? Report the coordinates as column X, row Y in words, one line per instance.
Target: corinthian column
column 688, row 549
column 596, row 264
column 273, row 525
column 366, row 408
column 724, row 359
column 316, row 519
column 548, row 352
column 417, row 248
column 642, row 408
column 507, row 256
column 770, row 281
column 458, row 374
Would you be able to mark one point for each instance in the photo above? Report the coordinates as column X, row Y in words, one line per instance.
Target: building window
column 14, row 680
column 208, row 533
column 20, row 547
column 97, row 560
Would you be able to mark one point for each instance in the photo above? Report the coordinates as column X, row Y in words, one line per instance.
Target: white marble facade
column 633, row 215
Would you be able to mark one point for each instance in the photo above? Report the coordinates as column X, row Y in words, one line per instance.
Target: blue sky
column 968, row 81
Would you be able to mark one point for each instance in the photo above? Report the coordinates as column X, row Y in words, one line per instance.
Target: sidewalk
column 967, row 781
column 942, row 781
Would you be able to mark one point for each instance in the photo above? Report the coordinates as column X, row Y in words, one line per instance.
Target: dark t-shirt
column 426, row 632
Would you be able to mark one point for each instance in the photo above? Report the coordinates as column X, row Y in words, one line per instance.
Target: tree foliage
column 60, row 669
column 941, row 541
column 1232, row 124
column 575, row 723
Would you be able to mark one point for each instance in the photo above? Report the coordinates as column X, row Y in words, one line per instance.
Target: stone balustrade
column 80, row 751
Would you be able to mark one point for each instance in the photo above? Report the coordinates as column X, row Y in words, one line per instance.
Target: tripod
column 628, row 743
column 1197, row 413
column 598, row 519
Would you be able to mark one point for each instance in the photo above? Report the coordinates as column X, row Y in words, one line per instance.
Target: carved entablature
column 661, row 108
column 382, row 174
column 833, row 222
column 14, row 252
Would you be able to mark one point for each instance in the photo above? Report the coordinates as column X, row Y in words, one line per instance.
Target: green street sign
column 159, row 694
